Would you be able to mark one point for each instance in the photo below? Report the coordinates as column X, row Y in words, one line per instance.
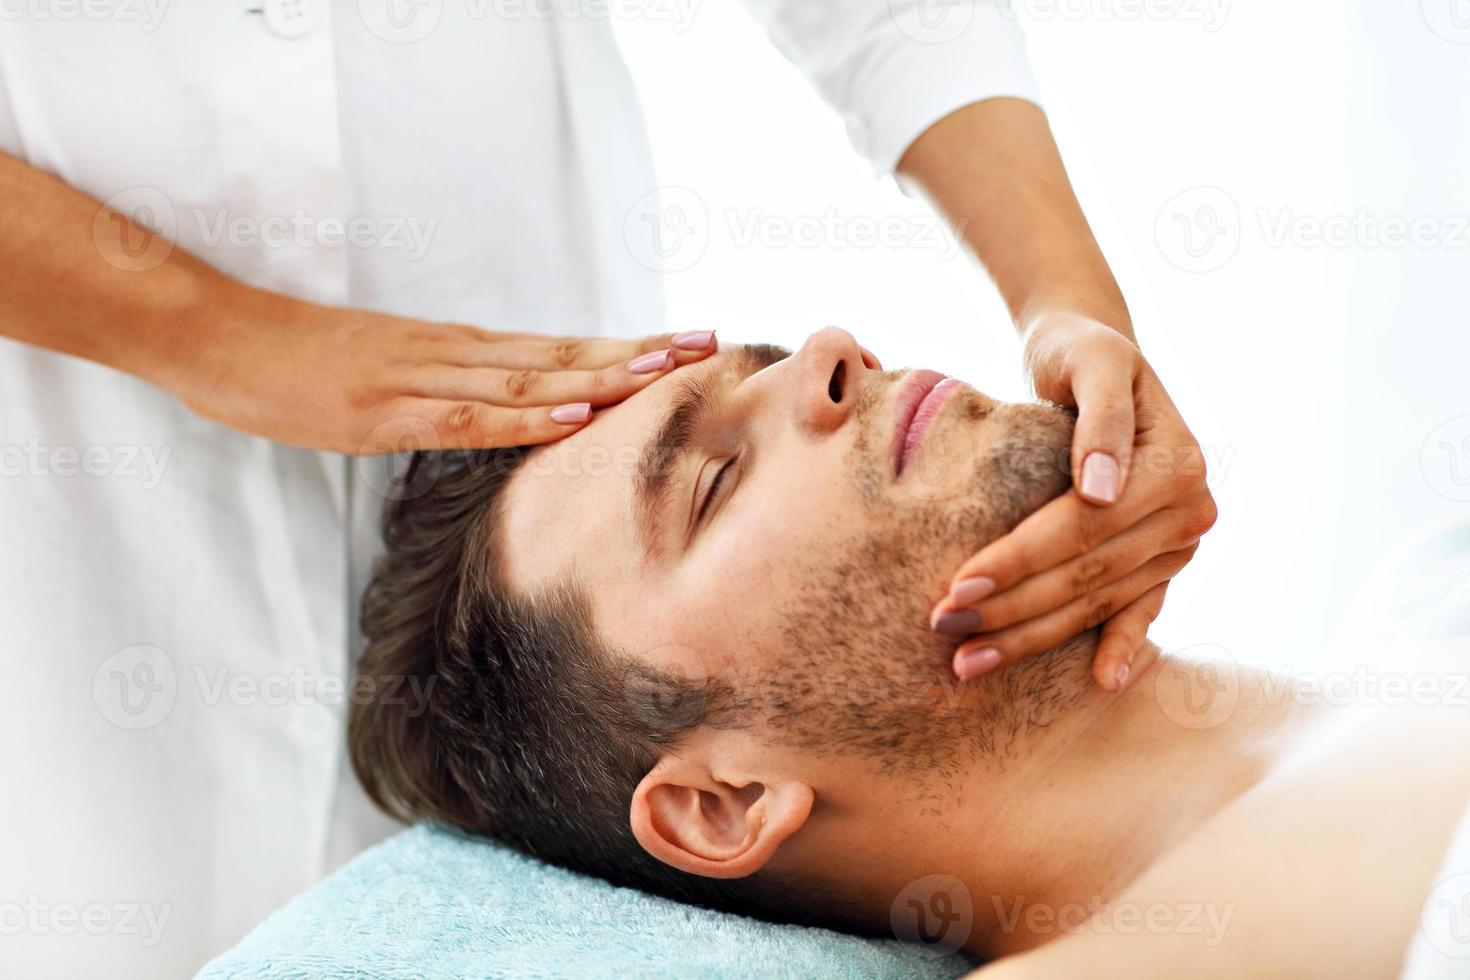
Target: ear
column 688, row 818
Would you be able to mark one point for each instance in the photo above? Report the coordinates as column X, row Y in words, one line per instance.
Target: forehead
column 570, row 510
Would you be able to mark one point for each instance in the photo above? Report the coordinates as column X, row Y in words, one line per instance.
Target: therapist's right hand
column 365, row 383
column 85, row 280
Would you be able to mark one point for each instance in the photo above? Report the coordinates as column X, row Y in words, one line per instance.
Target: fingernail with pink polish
column 1100, row 477
column 968, row 591
column 956, row 622
column 693, row 339
column 1122, row 676
column 572, row 413
column 651, row 362
column 973, row 663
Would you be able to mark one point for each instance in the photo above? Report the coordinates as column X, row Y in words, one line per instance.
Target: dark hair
column 532, row 732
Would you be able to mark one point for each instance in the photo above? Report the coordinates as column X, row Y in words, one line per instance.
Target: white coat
column 178, row 598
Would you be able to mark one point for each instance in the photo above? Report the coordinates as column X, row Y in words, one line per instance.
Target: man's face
column 785, row 525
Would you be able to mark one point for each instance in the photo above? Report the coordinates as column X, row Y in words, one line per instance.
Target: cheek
column 769, row 544
column 757, row 559
column 773, row 529
column 719, row 614
column 700, row 622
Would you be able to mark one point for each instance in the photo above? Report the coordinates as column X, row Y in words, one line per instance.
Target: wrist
column 213, row 330
column 1037, row 315
column 182, row 336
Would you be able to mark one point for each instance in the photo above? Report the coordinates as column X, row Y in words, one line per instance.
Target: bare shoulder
column 1320, row 870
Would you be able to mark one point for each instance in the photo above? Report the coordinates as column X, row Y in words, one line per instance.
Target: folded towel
column 427, row 903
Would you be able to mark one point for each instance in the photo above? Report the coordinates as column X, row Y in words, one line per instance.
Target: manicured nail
column 969, row 591
column 958, row 622
column 1100, row 477
column 1122, row 677
column 976, row 662
column 572, row 413
column 693, row 339
column 651, row 362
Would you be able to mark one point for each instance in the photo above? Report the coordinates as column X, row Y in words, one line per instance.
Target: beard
column 860, row 673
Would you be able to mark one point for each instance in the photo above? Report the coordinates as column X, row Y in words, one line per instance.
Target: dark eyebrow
column 695, row 395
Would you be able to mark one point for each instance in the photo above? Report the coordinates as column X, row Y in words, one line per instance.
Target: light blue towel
column 426, row 903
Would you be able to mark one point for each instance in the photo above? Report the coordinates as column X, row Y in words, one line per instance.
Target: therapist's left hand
column 1103, row 554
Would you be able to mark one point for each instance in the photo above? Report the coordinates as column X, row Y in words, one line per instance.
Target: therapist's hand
column 1102, row 554
column 277, row 366
column 364, row 383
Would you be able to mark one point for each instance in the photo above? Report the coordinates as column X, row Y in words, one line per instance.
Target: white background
column 1326, row 381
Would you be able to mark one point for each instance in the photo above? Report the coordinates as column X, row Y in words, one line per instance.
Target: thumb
column 1102, row 442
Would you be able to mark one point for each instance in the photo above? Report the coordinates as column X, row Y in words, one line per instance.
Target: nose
column 832, row 369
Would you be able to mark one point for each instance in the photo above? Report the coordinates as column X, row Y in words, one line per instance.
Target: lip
column 921, row 395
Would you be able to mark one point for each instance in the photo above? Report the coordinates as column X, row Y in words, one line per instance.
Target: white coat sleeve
column 893, row 68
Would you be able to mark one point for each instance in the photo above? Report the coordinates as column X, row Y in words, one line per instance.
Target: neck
column 1087, row 802
column 1104, row 791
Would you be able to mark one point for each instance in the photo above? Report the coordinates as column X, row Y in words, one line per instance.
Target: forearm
column 993, row 170
column 70, row 287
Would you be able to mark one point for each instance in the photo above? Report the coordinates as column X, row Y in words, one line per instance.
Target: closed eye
column 714, row 488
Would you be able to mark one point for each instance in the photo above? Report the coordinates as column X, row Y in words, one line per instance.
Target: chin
column 994, row 463
column 1033, row 451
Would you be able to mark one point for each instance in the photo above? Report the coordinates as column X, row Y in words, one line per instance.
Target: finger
column 1059, row 531
column 528, row 386
column 432, row 423
column 1102, row 442
column 988, row 651
column 578, row 353
column 1166, row 530
column 1123, row 636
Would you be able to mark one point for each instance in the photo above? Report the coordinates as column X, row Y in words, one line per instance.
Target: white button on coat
column 416, row 159
column 293, row 18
